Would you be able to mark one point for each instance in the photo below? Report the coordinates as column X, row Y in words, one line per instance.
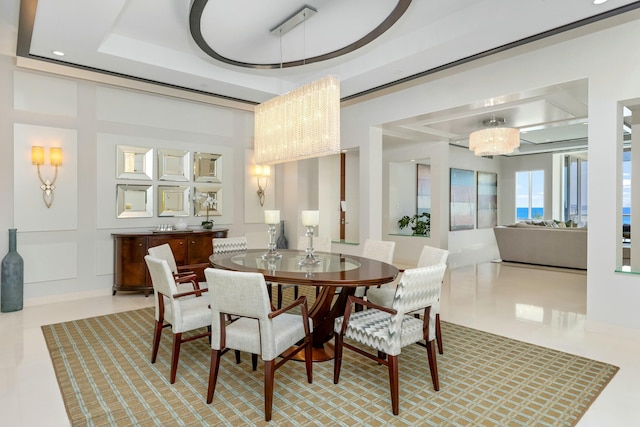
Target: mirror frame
column 216, row 193
column 121, row 208
column 177, row 172
column 147, row 168
column 180, row 194
column 198, row 173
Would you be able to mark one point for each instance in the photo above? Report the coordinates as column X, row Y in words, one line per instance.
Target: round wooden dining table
column 332, row 271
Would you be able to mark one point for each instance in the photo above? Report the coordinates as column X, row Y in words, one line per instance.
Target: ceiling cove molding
column 195, row 19
column 522, row 42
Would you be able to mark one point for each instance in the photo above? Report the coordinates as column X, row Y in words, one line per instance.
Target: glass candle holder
column 310, row 257
column 272, row 254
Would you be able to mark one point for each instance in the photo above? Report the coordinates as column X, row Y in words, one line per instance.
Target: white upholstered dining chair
column 182, row 274
column 255, row 328
column 223, row 245
column 387, row 330
column 384, row 295
column 182, row 311
column 380, row 250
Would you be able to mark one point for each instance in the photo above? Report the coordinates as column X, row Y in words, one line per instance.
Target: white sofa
column 533, row 244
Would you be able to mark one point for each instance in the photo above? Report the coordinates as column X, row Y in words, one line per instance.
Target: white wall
column 67, row 248
column 610, row 67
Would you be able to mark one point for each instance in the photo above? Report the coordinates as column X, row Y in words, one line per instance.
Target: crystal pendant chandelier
column 495, row 139
column 301, row 124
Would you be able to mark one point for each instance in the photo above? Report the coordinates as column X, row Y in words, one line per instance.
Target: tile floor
column 538, row 306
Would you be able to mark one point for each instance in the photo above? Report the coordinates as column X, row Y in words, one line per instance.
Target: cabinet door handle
column 181, row 242
column 139, row 244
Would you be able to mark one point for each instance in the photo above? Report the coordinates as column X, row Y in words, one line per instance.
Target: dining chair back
column 431, row 256
column 255, row 328
column 380, row 250
column 182, row 311
column 182, row 274
column 387, row 330
column 223, row 245
column 384, row 295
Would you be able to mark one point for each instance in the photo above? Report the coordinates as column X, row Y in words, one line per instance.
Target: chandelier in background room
column 495, row 139
column 301, row 124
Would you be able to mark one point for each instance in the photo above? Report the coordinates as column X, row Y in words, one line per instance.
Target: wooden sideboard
column 191, row 248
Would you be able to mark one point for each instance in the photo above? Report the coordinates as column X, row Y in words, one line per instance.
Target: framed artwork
column 487, row 200
column 462, row 199
column 207, row 201
column 207, row 167
column 134, row 201
column 134, row 162
column 173, row 200
column 173, row 165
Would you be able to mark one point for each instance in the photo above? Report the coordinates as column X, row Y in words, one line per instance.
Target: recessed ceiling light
column 57, row 52
column 599, row 1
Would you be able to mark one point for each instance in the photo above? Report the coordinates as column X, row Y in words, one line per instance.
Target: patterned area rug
column 103, row 369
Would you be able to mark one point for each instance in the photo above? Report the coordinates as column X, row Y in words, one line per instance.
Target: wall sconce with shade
column 495, row 139
column 271, row 218
column 310, row 219
column 262, row 174
column 55, row 159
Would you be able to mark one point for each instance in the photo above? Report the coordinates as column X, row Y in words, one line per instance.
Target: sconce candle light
column 271, row 218
column 310, row 219
column 55, row 159
column 262, row 172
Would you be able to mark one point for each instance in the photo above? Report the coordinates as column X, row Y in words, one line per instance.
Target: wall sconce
column 262, row 173
column 55, row 159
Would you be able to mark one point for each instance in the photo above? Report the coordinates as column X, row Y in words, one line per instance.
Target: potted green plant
column 420, row 223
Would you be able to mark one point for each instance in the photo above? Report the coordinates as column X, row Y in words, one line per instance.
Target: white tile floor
column 539, row 306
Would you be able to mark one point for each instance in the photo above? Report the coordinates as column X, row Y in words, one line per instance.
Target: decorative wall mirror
column 134, row 162
column 173, row 165
column 134, row 201
column 207, row 201
column 206, row 167
column 173, row 200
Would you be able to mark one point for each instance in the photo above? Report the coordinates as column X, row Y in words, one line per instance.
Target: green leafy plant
column 420, row 223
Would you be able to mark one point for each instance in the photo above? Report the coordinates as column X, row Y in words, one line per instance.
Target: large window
column 626, row 188
column 529, row 195
column 575, row 200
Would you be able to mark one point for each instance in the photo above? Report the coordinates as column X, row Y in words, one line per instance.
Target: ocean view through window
column 529, row 195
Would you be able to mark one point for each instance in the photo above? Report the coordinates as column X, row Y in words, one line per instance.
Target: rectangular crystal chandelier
column 301, row 124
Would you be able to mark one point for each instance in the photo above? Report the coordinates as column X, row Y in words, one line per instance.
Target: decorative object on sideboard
column 12, row 278
column 55, row 159
column 207, row 201
column 310, row 219
column 495, row 139
column 271, row 218
column 262, row 174
column 420, row 224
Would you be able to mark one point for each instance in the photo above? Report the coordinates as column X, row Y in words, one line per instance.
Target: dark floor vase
column 282, row 242
column 12, row 280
